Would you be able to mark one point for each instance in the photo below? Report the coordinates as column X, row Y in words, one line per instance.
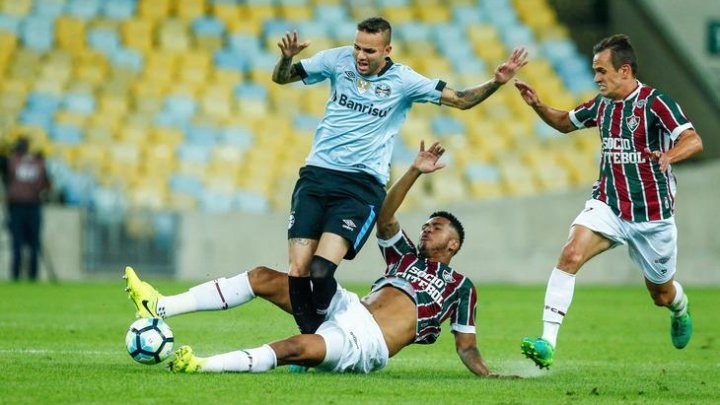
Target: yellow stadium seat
column 226, row 12
column 182, row 202
column 189, row 9
column 154, row 9
column 397, row 14
column 167, row 136
column 258, row 12
column 138, row 34
column 207, row 43
column 295, row 12
column 433, row 14
column 19, row 8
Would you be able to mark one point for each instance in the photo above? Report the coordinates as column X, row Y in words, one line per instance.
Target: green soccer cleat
column 142, row 294
column 295, row 368
column 539, row 351
column 186, row 362
column 681, row 329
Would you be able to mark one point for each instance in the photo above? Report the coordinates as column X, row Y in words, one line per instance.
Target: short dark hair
column 374, row 25
column 454, row 222
column 621, row 51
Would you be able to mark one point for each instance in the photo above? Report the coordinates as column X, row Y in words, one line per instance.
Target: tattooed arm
column 472, row 96
column 284, row 71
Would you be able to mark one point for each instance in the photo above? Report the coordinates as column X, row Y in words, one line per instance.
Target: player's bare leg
column 583, row 244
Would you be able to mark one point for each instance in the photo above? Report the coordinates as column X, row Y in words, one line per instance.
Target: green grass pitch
column 65, row 344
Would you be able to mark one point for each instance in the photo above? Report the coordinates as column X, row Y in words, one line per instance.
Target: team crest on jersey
column 349, row 75
column 382, row 90
column 448, row 278
column 632, row 122
column 362, row 85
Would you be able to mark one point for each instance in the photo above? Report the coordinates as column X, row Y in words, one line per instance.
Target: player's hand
column 289, row 45
column 527, row 93
column 662, row 158
column 507, row 70
column 427, row 160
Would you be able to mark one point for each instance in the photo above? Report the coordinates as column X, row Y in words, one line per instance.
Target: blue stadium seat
column 128, row 58
column 481, row 172
column 76, row 188
column 250, row 90
column 183, row 183
column 43, row 102
column 236, row 135
column 38, row 33
column 180, row 106
column 414, row 31
column 49, row 8
column 84, row 9
column 10, row 23
column 330, row 13
column 467, row 15
column 230, row 59
column 104, row 40
column 119, row 9
column 38, row 118
column 66, row 134
column 446, row 125
column 201, row 135
column 109, row 205
column 208, row 26
column 80, row 103
column 193, row 153
column 247, row 201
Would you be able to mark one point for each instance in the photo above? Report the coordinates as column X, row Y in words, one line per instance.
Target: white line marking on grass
column 52, row 351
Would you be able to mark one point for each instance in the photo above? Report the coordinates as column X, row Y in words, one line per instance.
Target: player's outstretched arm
column 426, row 161
column 466, row 346
column 472, row 96
column 289, row 45
column 687, row 144
column 558, row 119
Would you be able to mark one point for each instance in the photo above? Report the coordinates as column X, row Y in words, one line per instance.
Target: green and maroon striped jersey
column 438, row 291
column 630, row 183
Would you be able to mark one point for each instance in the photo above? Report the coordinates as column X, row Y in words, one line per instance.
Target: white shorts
column 652, row 245
column 353, row 340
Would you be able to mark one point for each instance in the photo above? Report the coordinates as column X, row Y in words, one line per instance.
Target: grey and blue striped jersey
column 364, row 113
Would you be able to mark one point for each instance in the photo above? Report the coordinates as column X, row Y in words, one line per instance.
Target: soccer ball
column 149, row 340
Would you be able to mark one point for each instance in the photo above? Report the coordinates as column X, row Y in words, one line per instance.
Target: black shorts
column 343, row 203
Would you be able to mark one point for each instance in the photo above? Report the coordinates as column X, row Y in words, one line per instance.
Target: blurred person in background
column 643, row 132
column 342, row 186
column 26, row 182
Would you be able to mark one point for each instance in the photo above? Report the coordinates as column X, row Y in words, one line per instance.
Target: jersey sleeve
column 420, row 89
column 670, row 115
column 463, row 318
column 585, row 115
column 319, row 66
column 394, row 248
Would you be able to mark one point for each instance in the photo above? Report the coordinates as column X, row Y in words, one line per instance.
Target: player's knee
column 321, row 267
column 263, row 279
column 571, row 258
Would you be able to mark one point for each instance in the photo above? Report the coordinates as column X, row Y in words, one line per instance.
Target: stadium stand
column 168, row 104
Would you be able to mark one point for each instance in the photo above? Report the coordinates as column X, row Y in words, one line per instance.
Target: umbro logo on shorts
column 349, row 225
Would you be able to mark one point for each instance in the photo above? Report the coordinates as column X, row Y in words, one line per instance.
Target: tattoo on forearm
column 475, row 95
column 284, row 70
column 389, row 230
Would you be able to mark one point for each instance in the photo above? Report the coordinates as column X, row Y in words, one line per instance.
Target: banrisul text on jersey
column 630, row 183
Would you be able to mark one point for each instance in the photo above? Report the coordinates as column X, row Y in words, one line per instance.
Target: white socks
column 222, row 293
column 679, row 304
column 256, row 360
column 558, row 296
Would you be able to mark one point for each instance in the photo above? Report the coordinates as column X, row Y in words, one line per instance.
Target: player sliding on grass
column 643, row 131
column 418, row 291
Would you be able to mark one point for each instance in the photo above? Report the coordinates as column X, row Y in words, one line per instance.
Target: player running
column 643, row 131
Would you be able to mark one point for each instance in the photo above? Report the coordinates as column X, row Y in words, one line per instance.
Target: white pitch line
column 52, row 351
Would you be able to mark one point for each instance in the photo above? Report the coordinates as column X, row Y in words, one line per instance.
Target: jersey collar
column 388, row 64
